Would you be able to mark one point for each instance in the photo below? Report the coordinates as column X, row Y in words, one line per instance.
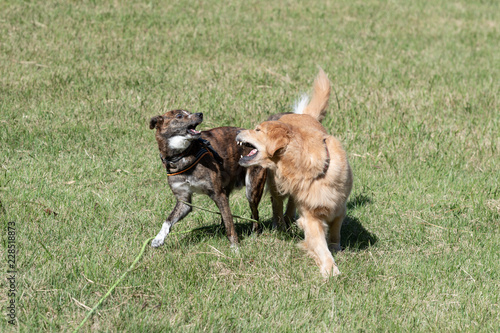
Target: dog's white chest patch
column 189, row 186
column 178, row 142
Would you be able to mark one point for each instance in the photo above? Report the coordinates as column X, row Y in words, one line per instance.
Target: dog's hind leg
column 290, row 212
column 334, row 231
column 255, row 181
column 178, row 213
column 222, row 202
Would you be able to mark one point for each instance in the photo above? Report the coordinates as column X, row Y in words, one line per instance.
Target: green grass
column 416, row 104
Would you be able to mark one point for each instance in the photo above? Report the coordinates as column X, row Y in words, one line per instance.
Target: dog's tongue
column 253, row 152
column 193, row 131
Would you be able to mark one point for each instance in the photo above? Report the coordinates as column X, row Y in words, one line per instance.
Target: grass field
column 416, row 103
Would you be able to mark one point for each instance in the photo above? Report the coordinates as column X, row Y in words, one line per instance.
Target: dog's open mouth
column 250, row 155
column 192, row 130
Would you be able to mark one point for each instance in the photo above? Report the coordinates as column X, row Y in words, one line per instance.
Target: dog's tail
column 316, row 107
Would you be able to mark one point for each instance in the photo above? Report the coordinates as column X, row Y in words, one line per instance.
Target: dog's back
column 221, row 140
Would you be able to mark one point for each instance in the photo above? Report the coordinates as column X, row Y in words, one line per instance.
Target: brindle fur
column 215, row 176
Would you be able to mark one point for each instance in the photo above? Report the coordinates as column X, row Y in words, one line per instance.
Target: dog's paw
column 235, row 248
column 329, row 270
column 335, row 271
column 335, row 247
column 157, row 242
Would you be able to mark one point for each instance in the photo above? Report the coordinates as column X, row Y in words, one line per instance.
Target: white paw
column 157, row 242
column 335, row 270
column 330, row 272
column 235, row 248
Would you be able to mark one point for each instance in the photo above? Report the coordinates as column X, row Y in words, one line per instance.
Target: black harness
column 204, row 148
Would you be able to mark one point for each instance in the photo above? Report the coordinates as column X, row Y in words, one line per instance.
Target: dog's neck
column 171, row 156
column 287, row 165
column 184, row 160
column 179, row 143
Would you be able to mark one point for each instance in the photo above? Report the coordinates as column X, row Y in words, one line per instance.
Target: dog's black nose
column 199, row 114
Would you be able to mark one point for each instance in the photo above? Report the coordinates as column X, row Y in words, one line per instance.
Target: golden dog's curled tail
column 319, row 101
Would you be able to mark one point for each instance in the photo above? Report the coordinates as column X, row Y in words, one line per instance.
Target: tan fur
column 321, row 94
column 294, row 148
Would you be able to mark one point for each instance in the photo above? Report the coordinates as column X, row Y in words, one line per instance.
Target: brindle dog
column 204, row 162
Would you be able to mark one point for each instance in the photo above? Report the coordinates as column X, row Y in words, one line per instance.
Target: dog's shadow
column 354, row 235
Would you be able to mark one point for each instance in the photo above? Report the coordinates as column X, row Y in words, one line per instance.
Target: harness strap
column 178, row 157
column 206, row 144
column 189, row 167
column 206, row 148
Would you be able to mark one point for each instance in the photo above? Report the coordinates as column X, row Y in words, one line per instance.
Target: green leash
column 114, row 285
column 214, row 212
column 139, row 256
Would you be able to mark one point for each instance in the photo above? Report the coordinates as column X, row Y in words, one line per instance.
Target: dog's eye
column 178, row 116
column 257, row 130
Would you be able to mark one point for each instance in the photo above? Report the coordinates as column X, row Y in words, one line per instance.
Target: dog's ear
column 279, row 135
column 155, row 122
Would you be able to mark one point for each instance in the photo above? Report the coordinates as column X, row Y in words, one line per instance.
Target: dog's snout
column 238, row 135
column 199, row 114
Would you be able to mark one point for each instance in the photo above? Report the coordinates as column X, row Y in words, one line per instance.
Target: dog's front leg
column 255, row 182
column 180, row 211
column 277, row 202
column 315, row 243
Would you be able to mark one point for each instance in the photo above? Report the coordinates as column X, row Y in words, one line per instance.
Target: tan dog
column 309, row 165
